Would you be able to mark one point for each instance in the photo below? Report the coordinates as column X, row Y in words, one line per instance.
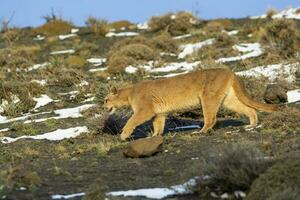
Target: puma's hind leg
column 233, row 103
column 159, row 124
column 210, row 107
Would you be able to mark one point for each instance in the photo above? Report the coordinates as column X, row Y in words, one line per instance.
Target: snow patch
column 157, row 193
column 131, row 70
column 42, row 101
column 63, row 37
column 293, row 95
column 182, row 36
column 59, row 134
column 97, row 61
column 290, row 13
column 41, row 82
column 233, row 32
column 285, row 71
column 253, row 49
column 143, row 26
column 188, row 49
column 69, row 51
column 74, row 30
column 39, row 38
column 122, row 34
column 176, row 66
column 64, row 113
column 37, row 66
column 98, row 69
column 69, row 196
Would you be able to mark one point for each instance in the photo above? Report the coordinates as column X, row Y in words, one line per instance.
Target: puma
column 209, row 88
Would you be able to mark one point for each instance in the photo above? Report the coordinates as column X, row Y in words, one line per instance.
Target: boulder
column 275, row 94
column 144, row 147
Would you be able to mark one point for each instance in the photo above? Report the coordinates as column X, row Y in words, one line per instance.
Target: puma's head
column 116, row 99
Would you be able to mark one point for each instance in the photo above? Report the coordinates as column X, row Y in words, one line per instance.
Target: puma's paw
column 124, row 137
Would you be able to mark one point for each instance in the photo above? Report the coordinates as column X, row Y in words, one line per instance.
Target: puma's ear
column 114, row 90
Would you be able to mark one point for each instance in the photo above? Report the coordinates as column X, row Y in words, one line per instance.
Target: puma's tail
column 243, row 96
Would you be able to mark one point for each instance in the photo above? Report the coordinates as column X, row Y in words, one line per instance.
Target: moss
column 285, row 174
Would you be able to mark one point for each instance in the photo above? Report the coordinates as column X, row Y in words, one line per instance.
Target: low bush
column 282, row 176
column 54, row 28
column 281, row 36
column 175, row 24
column 97, row 26
column 218, row 25
column 123, row 24
column 231, row 168
column 164, row 42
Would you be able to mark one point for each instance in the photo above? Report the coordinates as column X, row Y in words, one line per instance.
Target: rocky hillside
column 57, row 141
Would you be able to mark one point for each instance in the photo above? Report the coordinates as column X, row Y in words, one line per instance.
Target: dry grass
column 97, row 26
column 218, row 25
column 281, row 37
column 11, row 36
column 175, row 24
column 54, row 28
column 75, row 61
column 122, row 24
column 165, row 43
column 231, row 168
column 131, row 54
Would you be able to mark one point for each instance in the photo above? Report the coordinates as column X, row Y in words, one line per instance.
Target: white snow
column 59, row 134
column 176, row 66
column 157, row 193
column 64, row 113
column 122, row 34
column 233, row 32
column 63, row 37
column 4, row 129
column 83, row 83
column 272, row 72
column 39, row 38
column 186, row 127
column 293, row 95
column 251, row 50
column 290, row 13
column 69, row 51
column 98, row 69
column 42, row 101
column 37, row 66
column 74, row 30
column 74, row 92
column 131, row 70
column 188, row 49
column 41, row 82
column 182, row 36
column 167, row 54
column 69, row 196
column 4, row 120
column 97, row 61
column 143, row 26
column 14, row 99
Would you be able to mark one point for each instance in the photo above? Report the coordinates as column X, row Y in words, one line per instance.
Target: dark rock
column 275, row 94
column 144, row 147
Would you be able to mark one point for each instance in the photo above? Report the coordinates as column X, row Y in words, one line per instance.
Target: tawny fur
column 208, row 88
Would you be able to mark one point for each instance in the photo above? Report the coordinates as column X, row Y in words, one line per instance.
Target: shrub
column 281, row 36
column 165, row 43
column 270, row 13
column 233, row 168
column 283, row 175
column 11, row 36
column 218, row 25
column 75, row 61
column 54, row 27
column 175, row 24
column 121, row 43
column 118, row 25
column 286, row 120
column 131, row 54
column 24, row 91
column 97, row 26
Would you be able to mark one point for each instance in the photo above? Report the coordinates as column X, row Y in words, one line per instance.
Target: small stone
column 144, row 147
column 275, row 94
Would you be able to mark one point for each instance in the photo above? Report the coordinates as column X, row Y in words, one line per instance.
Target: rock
column 275, row 94
column 144, row 147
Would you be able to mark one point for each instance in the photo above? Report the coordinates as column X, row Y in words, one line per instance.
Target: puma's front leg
column 159, row 124
column 135, row 120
